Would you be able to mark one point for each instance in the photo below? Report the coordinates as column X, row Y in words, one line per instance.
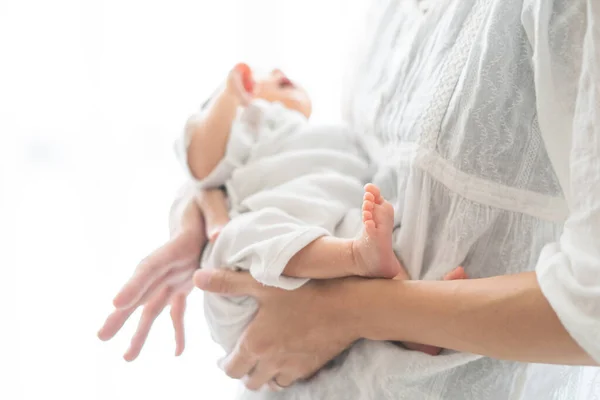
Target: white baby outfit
column 489, row 113
column 288, row 183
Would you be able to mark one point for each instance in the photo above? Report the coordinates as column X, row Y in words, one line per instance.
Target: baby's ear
column 246, row 74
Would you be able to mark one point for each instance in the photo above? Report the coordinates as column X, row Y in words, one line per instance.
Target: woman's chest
column 456, row 84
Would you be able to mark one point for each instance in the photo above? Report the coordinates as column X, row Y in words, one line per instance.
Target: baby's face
column 277, row 87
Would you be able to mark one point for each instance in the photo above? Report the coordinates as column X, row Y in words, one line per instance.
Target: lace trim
column 479, row 190
column 432, row 118
column 491, row 193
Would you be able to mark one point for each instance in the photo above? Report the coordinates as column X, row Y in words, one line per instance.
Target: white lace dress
column 477, row 104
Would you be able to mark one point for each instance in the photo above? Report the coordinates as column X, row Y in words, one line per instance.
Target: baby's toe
column 374, row 190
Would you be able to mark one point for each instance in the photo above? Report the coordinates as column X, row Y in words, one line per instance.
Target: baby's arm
column 208, row 132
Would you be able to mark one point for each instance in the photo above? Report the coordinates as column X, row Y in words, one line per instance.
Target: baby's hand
column 240, row 83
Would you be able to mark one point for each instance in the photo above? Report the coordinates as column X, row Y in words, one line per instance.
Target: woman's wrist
column 501, row 317
column 363, row 303
column 381, row 309
column 185, row 217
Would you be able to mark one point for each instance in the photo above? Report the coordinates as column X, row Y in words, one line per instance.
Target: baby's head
column 278, row 87
column 275, row 87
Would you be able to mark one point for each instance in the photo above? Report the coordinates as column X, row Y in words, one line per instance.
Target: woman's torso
column 449, row 95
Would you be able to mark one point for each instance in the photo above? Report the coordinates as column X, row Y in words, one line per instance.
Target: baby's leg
column 325, row 258
column 370, row 255
column 214, row 209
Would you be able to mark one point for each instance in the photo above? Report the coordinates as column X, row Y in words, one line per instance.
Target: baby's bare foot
column 373, row 250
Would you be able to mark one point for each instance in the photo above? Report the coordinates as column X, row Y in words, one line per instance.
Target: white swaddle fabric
column 288, row 183
column 472, row 99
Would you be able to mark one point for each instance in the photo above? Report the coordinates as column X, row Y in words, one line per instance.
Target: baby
column 291, row 190
column 370, row 255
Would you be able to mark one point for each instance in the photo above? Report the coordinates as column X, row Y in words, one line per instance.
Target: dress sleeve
column 565, row 37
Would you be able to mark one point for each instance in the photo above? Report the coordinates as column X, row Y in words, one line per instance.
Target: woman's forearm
column 185, row 213
column 504, row 317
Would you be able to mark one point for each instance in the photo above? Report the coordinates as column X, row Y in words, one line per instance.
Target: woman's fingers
column 118, row 317
column 175, row 280
column 238, row 363
column 259, row 376
column 114, row 323
column 146, row 274
column 177, row 314
column 151, row 311
column 150, row 270
column 456, row 273
column 227, row 282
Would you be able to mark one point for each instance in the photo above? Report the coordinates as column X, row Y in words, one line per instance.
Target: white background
column 92, row 95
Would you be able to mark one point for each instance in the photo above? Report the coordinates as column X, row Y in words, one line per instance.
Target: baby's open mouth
column 284, row 82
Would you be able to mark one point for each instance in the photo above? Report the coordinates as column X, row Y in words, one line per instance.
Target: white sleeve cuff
column 577, row 304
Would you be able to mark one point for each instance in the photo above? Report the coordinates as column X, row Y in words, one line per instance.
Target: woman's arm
column 161, row 278
column 552, row 315
column 165, row 276
column 567, row 82
column 296, row 332
column 213, row 205
column 504, row 317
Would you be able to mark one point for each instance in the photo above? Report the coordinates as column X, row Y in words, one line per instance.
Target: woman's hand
column 293, row 334
column 164, row 277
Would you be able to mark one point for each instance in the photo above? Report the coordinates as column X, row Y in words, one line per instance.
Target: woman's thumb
column 225, row 282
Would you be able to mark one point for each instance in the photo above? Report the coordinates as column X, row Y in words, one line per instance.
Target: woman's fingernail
column 221, row 363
